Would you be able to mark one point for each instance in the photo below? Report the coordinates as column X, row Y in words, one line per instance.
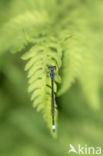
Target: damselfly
column 52, row 74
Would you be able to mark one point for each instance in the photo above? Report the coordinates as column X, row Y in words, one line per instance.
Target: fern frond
column 19, row 31
column 89, row 76
column 40, row 57
column 72, row 58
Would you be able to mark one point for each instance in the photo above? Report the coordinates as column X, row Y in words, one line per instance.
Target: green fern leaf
column 19, row 31
column 40, row 57
column 72, row 59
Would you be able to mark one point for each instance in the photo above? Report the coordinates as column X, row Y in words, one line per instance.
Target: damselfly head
column 52, row 67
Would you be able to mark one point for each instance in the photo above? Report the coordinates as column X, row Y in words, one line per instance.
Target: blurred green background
column 23, row 131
